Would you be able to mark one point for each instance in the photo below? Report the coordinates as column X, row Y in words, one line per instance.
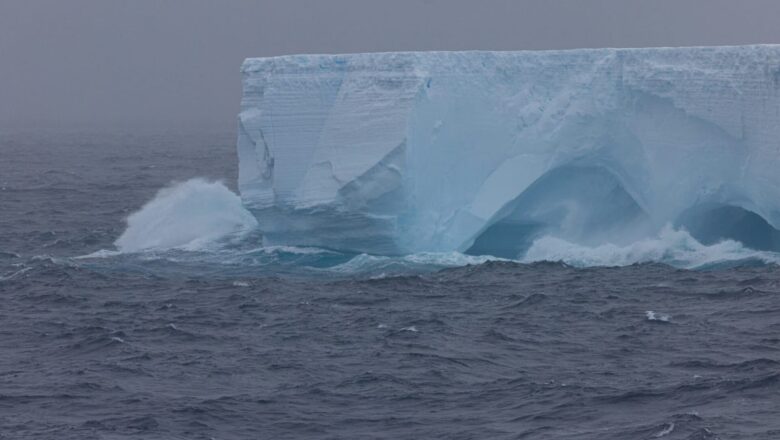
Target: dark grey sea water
column 245, row 342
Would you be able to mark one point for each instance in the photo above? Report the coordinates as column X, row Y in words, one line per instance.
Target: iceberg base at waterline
column 487, row 152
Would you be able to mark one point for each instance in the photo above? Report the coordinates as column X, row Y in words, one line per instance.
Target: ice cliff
column 392, row 153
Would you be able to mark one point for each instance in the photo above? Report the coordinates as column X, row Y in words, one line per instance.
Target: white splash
column 655, row 316
column 375, row 263
column 186, row 215
column 671, row 246
column 15, row 274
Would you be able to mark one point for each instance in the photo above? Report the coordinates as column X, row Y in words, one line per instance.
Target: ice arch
column 711, row 223
column 580, row 204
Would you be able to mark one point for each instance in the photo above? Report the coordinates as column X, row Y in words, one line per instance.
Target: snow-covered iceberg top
column 392, row 153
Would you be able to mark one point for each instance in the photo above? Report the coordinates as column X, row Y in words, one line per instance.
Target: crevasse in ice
column 482, row 152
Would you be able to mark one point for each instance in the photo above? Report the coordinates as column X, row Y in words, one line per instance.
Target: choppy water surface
column 180, row 326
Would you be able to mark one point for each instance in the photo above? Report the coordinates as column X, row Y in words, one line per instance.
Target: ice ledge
column 302, row 64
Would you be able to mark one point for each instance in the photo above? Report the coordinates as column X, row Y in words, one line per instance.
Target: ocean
column 138, row 302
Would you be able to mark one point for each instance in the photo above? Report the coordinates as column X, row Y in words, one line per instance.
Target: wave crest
column 672, row 246
column 187, row 215
column 203, row 223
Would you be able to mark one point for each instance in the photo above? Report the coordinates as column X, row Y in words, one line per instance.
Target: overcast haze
column 156, row 63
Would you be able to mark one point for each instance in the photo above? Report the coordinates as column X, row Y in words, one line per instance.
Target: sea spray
column 671, row 246
column 186, row 215
column 198, row 215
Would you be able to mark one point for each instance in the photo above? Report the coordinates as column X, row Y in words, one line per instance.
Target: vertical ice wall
column 403, row 152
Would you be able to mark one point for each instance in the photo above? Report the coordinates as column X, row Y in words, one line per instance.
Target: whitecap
column 292, row 250
column 384, row 265
column 655, row 316
column 674, row 247
column 15, row 274
column 666, row 431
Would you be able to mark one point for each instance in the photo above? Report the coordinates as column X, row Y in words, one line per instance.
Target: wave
column 675, row 247
column 381, row 266
column 203, row 226
column 188, row 215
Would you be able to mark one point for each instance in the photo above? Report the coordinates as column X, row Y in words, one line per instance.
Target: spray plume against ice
column 188, row 223
column 673, row 247
column 186, row 215
column 201, row 224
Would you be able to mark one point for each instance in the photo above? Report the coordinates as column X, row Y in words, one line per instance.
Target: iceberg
column 485, row 152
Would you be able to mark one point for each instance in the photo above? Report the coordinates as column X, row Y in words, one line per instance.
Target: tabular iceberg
column 393, row 153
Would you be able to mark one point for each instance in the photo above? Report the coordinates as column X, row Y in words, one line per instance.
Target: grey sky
column 143, row 63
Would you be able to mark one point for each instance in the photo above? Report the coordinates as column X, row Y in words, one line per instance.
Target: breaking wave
column 188, row 215
column 204, row 224
column 672, row 246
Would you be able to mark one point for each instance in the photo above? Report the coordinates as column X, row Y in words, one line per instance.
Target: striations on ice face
column 391, row 153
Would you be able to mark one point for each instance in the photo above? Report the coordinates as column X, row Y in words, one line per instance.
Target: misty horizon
column 176, row 65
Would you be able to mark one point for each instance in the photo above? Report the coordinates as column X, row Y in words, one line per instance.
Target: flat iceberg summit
column 394, row 153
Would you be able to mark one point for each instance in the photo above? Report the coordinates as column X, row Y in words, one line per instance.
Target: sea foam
column 671, row 246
